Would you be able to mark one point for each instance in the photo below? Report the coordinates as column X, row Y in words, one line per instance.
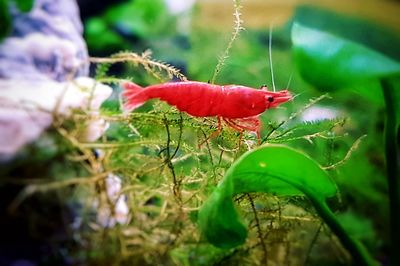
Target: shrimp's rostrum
column 239, row 106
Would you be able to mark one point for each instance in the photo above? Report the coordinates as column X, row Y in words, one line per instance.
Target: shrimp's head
column 273, row 99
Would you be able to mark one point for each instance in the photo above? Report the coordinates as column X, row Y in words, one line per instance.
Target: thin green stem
column 392, row 168
column 176, row 187
column 358, row 252
column 259, row 231
column 360, row 255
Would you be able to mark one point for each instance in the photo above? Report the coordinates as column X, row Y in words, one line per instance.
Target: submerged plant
column 276, row 170
column 140, row 186
column 330, row 62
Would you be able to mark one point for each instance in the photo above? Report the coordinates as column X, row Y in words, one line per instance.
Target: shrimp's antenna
column 270, row 57
column 296, row 95
column 290, row 79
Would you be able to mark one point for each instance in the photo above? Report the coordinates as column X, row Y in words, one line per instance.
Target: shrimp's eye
column 270, row 99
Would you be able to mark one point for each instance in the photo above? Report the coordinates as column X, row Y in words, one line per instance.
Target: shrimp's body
column 239, row 106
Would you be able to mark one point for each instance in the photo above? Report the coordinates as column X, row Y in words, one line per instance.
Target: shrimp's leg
column 249, row 123
column 236, row 127
column 215, row 133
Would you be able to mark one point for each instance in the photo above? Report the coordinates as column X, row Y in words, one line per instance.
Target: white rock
column 106, row 216
column 27, row 107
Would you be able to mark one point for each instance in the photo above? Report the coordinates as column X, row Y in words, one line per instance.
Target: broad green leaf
column 219, row 222
column 330, row 62
column 353, row 28
column 274, row 169
column 24, row 5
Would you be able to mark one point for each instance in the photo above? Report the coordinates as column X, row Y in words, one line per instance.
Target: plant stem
column 358, row 252
column 360, row 255
column 392, row 168
column 259, row 231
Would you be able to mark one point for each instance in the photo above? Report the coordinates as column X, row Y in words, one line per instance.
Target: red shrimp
column 238, row 106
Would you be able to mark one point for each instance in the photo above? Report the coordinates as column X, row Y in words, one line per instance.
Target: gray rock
column 40, row 58
column 45, row 43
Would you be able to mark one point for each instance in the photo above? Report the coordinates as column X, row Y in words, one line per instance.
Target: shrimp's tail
column 135, row 95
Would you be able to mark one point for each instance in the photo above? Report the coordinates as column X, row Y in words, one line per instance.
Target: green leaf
column 353, row 28
column 5, row 20
column 272, row 169
column 219, row 222
column 330, row 62
column 140, row 17
column 24, row 5
column 99, row 37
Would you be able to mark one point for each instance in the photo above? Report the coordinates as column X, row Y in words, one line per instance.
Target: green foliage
column 235, row 33
column 166, row 176
column 139, row 145
column 140, row 17
column 5, row 18
column 24, row 5
column 329, row 62
column 134, row 20
column 283, row 172
column 99, row 37
column 359, row 227
column 352, row 28
column 198, row 255
column 273, row 169
column 309, row 130
column 101, row 71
